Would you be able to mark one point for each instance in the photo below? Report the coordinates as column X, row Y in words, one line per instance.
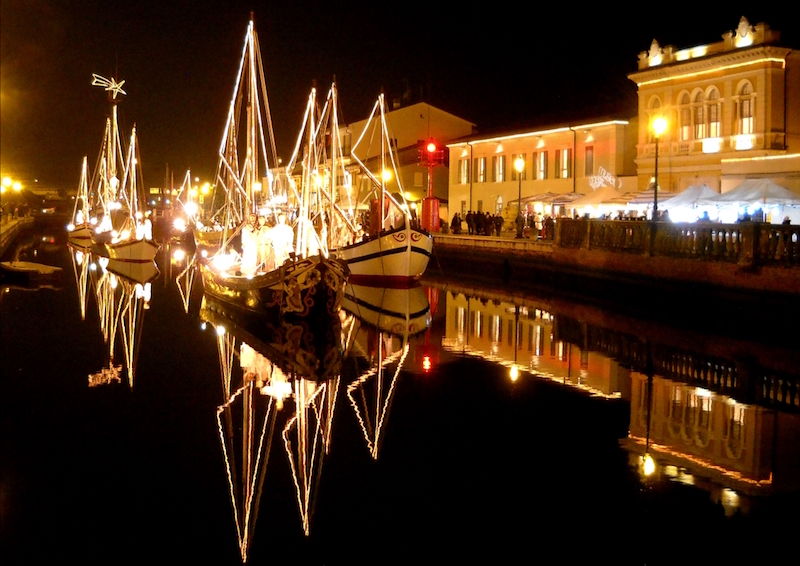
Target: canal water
column 140, row 422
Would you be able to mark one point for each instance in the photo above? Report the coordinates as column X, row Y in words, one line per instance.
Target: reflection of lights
column 203, row 326
column 220, row 330
column 648, row 465
column 513, row 373
column 426, row 363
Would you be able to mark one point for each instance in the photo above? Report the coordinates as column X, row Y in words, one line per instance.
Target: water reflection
column 122, row 291
column 384, row 321
column 708, row 415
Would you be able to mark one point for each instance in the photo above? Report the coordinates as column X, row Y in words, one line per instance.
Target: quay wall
column 631, row 264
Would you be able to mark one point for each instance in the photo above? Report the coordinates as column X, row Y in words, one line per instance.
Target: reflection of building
column 523, row 336
column 560, row 162
column 706, row 435
column 732, row 108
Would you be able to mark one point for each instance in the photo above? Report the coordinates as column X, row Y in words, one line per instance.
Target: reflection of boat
column 123, row 292
column 392, row 251
column 278, row 362
column 387, row 319
column 264, row 276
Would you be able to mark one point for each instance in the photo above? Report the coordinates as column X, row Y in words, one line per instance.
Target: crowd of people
column 536, row 225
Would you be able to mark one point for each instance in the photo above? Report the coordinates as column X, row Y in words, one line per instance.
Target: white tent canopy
column 603, row 195
column 755, row 192
column 690, row 197
column 646, row 197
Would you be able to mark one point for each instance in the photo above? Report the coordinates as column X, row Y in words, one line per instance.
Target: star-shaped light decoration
column 110, row 85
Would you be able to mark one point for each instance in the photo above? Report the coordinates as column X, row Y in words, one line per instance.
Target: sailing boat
column 133, row 241
column 103, row 209
column 79, row 231
column 280, row 270
column 393, row 252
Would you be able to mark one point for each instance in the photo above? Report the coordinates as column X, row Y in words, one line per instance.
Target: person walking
column 470, row 223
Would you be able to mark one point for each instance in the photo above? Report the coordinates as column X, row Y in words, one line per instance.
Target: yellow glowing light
column 179, row 255
column 205, row 188
column 519, row 164
column 743, row 142
column 7, row 182
column 257, row 187
column 711, row 145
column 17, row 186
column 514, row 373
column 659, row 126
column 220, row 330
column 386, row 175
column 648, row 465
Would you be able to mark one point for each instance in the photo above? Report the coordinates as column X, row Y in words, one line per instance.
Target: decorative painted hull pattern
column 310, row 288
column 389, row 256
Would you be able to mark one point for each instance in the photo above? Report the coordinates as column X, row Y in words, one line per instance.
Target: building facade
column 558, row 163
column 732, row 110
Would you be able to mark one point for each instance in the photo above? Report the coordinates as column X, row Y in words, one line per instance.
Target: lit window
column 744, row 110
column 480, row 173
column 563, row 163
column 713, row 114
column 463, row 171
column 685, row 116
column 499, row 168
column 542, row 165
column 699, row 117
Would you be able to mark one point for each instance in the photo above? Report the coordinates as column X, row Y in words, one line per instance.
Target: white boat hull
column 81, row 236
column 396, row 255
column 136, row 251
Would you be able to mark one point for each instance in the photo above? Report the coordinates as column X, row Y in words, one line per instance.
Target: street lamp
column 659, row 127
column 519, row 165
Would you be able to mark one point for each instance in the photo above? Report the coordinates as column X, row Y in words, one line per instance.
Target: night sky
column 500, row 66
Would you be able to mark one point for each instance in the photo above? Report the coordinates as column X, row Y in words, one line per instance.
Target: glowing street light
column 659, row 126
column 519, row 165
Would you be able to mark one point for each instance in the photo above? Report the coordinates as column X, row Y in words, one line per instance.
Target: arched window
column 745, row 107
column 685, row 117
column 713, row 113
column 699, row 116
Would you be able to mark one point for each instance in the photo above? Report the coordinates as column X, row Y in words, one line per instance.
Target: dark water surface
column 455, row 461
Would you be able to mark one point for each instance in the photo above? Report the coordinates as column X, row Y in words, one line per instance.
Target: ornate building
column 732, row 110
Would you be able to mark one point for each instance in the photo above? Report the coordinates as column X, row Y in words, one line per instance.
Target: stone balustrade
column 746, row 244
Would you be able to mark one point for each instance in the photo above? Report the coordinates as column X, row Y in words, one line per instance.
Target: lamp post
column 659, row 127
column 519, row 165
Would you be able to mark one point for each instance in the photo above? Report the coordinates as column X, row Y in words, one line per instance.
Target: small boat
column 29, row 274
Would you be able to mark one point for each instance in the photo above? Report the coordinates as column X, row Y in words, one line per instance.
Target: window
column 542, row 165
column 480, row 169
column 588, row 161
column 498, row 205
column 713, row 114
column 563, row 163
column 463, row 171
column 463, row 209
column 535, row 161
column 685, row 118
column 745, row 123
column 699, row 117
column 480, row 206
column 499, row 168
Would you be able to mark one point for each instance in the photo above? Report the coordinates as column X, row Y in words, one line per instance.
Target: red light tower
column 430, row 156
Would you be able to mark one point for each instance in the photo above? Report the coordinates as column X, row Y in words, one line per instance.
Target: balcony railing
column 746, row 243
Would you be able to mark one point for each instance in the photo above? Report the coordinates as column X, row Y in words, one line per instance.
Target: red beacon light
column 431, row 147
